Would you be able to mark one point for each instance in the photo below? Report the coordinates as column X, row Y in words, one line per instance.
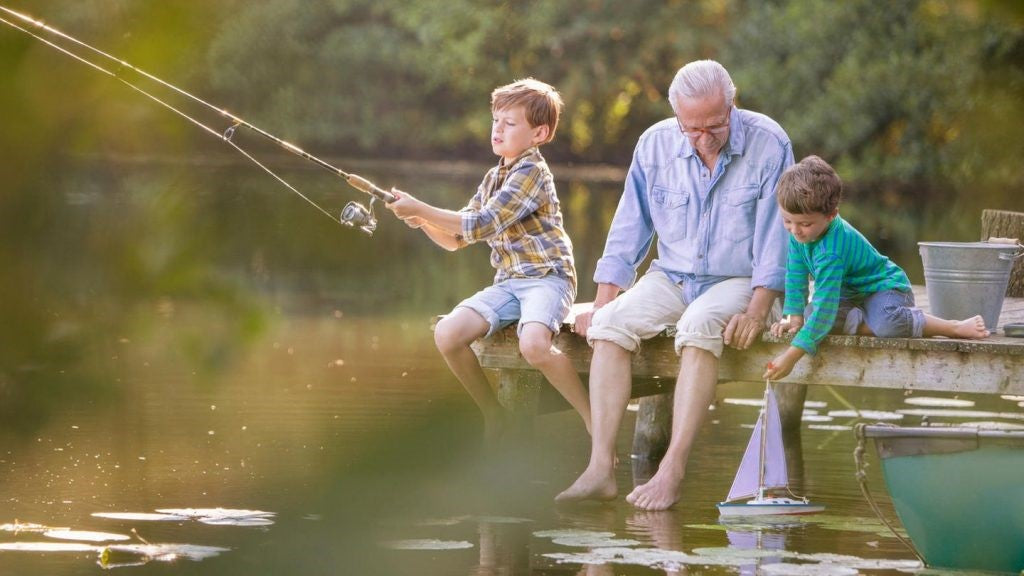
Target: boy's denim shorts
column 546, row 300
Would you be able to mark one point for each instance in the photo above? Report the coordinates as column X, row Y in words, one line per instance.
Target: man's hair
column 701, row 79
column 810, row 186
column 541, row 102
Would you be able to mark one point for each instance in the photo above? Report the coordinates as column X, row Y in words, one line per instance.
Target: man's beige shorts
column 654, row 303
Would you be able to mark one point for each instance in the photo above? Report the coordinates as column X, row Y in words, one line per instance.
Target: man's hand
column 581, row 323
column 743, row 330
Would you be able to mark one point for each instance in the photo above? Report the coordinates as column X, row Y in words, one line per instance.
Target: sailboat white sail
column 763, row 468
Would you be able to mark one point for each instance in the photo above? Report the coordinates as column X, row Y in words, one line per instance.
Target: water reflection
column 195, row 340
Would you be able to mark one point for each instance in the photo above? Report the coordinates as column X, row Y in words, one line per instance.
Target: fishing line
column 353, row 214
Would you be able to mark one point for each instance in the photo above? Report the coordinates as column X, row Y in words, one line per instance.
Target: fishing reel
column 355, row 215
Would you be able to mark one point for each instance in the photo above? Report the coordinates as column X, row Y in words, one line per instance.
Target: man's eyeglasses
column 698, row 132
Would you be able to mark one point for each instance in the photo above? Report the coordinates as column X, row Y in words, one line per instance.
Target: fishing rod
column 353, row 214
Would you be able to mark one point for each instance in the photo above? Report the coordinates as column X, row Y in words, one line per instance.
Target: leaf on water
column 786, row 569
column 863, row 563
column 26, row 527
column 215, row 512
column 132, row 554
column 867, row 414
column 749, row 554
column 250, row 521
column 938, row 402
column 48, row 547
column 502, row 520
column 85, row 535
column 651, row 557
column 950, row 413
column 427, row 544
column 572, row 534
column 594, row 542
column 140, row 516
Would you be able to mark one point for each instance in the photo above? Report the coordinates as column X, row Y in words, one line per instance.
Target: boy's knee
column 448, row 337
column 896, row 322
column 535, row 348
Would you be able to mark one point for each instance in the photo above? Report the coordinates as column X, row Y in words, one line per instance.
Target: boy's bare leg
column 535, row 342
column 453, row 335
column 695, row 390
column 610, row 386
column 970, row 329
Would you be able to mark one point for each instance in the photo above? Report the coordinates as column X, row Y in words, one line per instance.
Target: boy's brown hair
column 809, row 186
column 541, row 101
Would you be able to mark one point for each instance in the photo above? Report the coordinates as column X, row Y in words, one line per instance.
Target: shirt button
column 699, row 256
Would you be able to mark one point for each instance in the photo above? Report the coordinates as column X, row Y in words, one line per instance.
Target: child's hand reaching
column 789, row 325
column 783, row 364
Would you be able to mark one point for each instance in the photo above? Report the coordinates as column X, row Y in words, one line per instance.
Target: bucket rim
column 971, row 245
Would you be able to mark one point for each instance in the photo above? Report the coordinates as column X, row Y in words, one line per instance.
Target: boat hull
column 958, row 492
column 771, row 507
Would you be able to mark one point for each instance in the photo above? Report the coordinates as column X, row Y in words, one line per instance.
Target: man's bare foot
column 658, row 493
column 972, row 328
column 593, row 484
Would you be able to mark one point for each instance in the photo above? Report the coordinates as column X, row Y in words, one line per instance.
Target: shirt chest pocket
column 669, row 212
column 739, row 208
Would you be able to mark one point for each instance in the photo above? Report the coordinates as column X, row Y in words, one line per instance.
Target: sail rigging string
column 862, row 480
column 354, row 180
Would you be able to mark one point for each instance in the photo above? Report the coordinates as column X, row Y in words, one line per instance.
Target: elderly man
column 704, row 183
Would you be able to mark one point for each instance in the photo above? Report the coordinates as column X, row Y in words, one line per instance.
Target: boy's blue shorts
column 545, row 300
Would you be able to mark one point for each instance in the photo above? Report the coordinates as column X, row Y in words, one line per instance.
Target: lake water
column 193, row 338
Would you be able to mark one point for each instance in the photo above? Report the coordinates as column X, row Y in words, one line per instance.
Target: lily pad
column 938, row 402
column 85, row 536
column 48, row 547
column 787, row 569
column 594, row 542
column 427, row 544
column 140, row 516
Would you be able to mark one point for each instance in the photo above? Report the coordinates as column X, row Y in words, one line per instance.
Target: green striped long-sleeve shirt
column 843, row 265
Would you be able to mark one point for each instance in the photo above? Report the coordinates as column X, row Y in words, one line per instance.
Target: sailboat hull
column 768, row 507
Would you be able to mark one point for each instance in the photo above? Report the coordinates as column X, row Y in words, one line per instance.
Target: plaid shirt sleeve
column 520, row 195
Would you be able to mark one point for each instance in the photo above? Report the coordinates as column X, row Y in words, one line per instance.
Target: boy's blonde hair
column 541, row 102
column 810, row 186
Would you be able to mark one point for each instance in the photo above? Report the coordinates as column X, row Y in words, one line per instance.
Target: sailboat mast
column 762, row 421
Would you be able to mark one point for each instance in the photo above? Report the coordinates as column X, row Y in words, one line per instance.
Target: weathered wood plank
column 991, row 366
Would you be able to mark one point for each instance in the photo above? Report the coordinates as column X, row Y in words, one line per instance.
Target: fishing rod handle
column 370, row 188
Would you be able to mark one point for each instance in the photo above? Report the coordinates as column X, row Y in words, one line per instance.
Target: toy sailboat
column 763, row 468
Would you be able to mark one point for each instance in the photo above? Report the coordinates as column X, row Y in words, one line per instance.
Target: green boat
column 959, row 492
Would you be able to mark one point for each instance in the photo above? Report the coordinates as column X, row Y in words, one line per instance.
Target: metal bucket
column 964, row 279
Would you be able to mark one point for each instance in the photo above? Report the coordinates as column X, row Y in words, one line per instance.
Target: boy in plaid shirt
column 516, row 211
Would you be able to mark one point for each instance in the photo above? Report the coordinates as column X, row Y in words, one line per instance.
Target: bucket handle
column 1008, row 256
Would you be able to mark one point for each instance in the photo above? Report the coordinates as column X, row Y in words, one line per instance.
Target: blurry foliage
column 918, row 103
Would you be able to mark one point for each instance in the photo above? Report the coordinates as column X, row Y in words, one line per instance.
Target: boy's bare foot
column 658, row 493
column 593, row 484
column 972, row 328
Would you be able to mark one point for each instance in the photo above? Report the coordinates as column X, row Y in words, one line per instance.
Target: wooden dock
column 991, row 366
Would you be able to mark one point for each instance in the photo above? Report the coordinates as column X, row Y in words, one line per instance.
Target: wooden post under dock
column 991, row 366
column 1010, row 225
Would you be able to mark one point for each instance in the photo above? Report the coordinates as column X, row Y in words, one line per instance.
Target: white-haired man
column 703, row 182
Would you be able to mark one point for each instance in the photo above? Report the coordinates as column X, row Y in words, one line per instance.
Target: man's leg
column 642, row 312
column 610, row 386
column 695, row 391
column 453, row 335
column 699, row 342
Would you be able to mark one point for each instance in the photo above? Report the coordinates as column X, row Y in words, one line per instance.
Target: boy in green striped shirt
column 857, row 290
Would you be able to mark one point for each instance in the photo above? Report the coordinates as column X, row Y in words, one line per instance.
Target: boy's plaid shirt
column 516, row 211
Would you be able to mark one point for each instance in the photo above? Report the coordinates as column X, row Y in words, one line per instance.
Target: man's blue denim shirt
column 710, row 226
